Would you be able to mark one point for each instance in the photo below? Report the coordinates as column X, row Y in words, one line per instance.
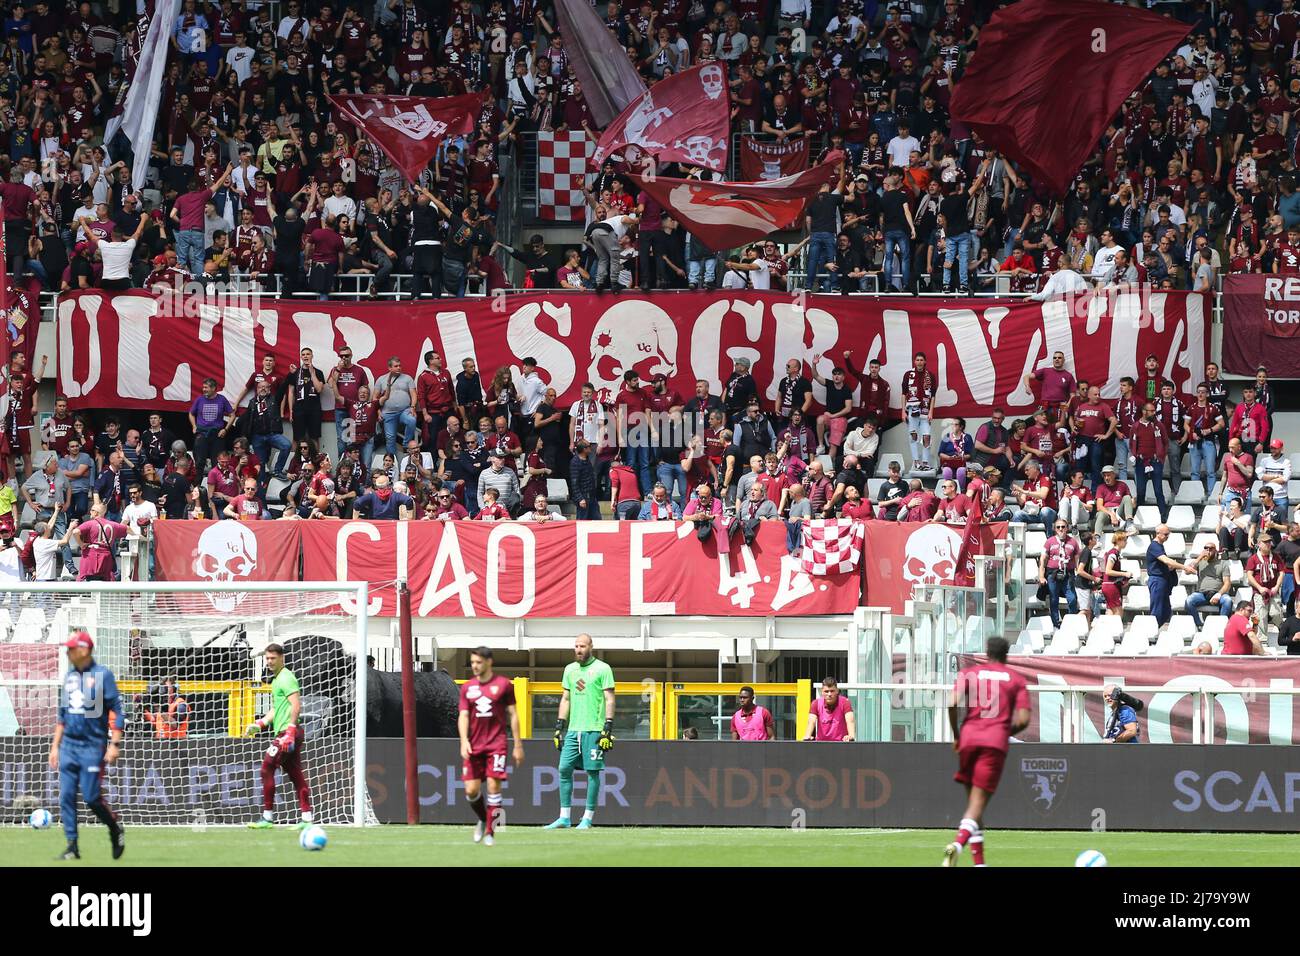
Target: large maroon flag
column 726, row 215
column 684, row 118
column 609, row 80
column 409, row 129
column 1048, row 76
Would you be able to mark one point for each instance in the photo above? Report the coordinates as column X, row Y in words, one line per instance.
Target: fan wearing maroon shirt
column 1039, row 444
column 1242, row 635
column 1250, row 421
column 247, row 506
column 996, row 704
column 1054, row 385
column 268, row 374
column 1095, row 423
column 874, row 392
column 487, row 704
column 324, row 253
column 435, row 397
column 951, row 508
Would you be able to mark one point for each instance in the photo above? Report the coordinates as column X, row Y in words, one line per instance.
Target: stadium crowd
column 253, row 173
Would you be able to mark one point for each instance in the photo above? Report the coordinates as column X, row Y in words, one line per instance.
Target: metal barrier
column 800, row 691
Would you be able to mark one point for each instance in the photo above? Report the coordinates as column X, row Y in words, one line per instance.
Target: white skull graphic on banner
column 631, row 336
column 931, row 555
column 645, row 119
column 700, row 149
column 712, row 80
column 416, row 124
column 227, row 554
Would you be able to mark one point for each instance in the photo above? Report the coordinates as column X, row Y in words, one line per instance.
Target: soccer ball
column 1090, row 858
column 40, row 819
column 313, row 838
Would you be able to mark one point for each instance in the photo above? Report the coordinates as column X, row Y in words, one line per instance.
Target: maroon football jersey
column 991, row 694
column 486, row 703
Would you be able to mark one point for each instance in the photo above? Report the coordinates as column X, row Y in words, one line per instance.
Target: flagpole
column 7, row 344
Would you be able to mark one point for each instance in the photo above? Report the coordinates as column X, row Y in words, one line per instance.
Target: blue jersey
column 85, row 703
column 1126, row 715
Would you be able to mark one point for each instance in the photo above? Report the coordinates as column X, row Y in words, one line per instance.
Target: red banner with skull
column 137, row 351
column 684, row 118
column 899, row 555
column 224, row 553
column 409, row 129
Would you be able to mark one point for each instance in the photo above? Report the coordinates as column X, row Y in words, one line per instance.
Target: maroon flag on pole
column 409, row 129
column 725, row 215
column 761, row 160
column 963, row 575
column 6, row 341
column 1025, row 90
column 609, row 80
column 682, row 119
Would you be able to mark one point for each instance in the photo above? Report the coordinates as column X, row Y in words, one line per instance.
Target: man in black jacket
column 540, row 263
column 739, row 391
column 266, row 431
column 582, row 482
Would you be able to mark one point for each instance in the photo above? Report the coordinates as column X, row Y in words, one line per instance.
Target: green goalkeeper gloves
column 606, row 741
column 253, row 729
column 559, row 735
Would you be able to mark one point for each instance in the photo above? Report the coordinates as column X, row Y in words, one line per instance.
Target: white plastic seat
column 1145, row 626
column 1040, row 625
column 557, row 490
column 1147, row 518
column 1175, row 545
column 828, row 465
column 1178, row 598
column 1098, row 644
column 1182, row 517
column 1210, row 518
column 1137, row 599
column 882, row 465
column 1181, row 626
column 1134, row 643
column 1034, row 541
column 1063, row 642
column 1168, row 643
column 1075, row 624
column 1136, row 546
column 1190, row 493
column 1111, row 624
column 1212, row 629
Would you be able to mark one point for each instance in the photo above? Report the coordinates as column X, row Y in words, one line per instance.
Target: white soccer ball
column 40, row 819
column 1090, row 858
column 313, row 838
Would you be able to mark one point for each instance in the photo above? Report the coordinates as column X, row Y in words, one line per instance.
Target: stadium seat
column 1182, row 626
column 557, row 490
column 1135, row 643
column 1169, row 642
column 1137, row 599
column 1144, row 625
column 1176, row 545
column 1182, row 518
column 1178, row 598
column 1210, row 518
column 1111, row 624
column 1099, row 643
column 882, row 465
column 1063, row 642
column 1190, row 493
column 828, row 465
column 1147, row 518
column 1023, row 643
column 873, row 487
column 1034, row 541
column 1137, row 545
column 1075, row 624
column 1293, row 489
column 1042, row 625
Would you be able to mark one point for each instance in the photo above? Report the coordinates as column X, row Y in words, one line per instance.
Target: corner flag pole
column 408, row 703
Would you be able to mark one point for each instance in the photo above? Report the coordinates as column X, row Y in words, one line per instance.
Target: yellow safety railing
column 241, row 697
column 801, row 691
column 526, row 690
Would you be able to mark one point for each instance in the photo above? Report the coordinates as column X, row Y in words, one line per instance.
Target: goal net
column 191, row 676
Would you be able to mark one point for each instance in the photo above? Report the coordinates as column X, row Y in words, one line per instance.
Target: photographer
column 166, row 710
column 1121, row 725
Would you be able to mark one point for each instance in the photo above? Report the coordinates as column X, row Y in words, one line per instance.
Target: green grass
column 531, row 846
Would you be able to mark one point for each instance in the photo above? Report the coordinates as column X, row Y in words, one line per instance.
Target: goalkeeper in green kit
column 585, row 731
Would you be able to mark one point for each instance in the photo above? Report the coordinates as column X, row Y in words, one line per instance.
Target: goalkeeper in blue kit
column 87, row 742
column 585, row 731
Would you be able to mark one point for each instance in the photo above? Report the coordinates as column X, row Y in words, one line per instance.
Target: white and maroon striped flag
column 832, row 545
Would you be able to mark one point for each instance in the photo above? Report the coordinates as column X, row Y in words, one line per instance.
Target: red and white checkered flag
column 561, row 174
column 832, row 546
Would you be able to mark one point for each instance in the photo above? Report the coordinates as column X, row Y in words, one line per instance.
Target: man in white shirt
column 45, row 548
column 1274, row 470
column 901, row 146
column 753, row 272
column 531, row 389
column 586, row 418
column 239, row 58
column 1061, row 282
column 140, row 514
column 293, row 22
column 116, row 254
column 341, row 204
column 1105, row 256
column 1203, row 90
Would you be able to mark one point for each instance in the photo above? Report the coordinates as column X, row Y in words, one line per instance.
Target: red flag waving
column 409, row 129
column 725, row 215
column 684, row 118
column 1025, row 90
column 977, row 490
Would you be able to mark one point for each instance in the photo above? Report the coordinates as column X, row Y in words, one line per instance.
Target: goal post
column 189, row 665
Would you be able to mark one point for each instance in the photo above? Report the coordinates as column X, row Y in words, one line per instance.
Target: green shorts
column 582, row 746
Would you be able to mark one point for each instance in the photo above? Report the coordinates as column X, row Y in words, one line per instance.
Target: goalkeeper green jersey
column 586, row 684
column 282, row 686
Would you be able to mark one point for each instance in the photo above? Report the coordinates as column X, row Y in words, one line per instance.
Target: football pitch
column 632, row 846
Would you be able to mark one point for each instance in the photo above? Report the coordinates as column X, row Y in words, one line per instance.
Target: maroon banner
column 726, row 215
column 766, row 160
column 34, row 708
column 409, row 129
column 1261, row 324
column 224, row 553
column 126, row 351
column 897, row 556
column 683, row 118
column 515, row 569
column 1021, row 91
column 609, row 79
column 1243, row 717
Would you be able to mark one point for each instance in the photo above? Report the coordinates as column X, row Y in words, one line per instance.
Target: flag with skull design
column 409, row 129
column 681, row 119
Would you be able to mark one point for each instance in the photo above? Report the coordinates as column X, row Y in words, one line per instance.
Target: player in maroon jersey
column 486, row 703
column 996, row 701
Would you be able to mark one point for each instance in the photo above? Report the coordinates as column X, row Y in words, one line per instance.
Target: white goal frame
column 361, row 595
